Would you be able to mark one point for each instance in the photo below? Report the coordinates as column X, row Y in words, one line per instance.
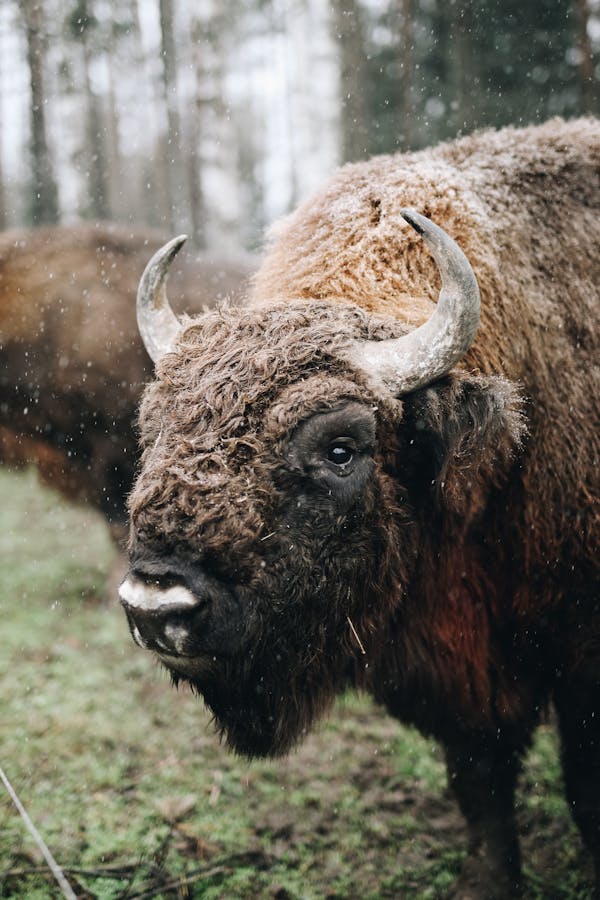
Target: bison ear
column 461, row 437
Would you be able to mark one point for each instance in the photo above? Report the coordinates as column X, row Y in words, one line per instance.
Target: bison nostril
column 162, row 617
column 177, row 636
column 162, row 632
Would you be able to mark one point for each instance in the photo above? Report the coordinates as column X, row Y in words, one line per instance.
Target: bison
column 347, row 484
column 72, row 362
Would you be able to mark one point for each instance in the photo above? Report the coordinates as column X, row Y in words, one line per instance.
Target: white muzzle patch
column 153, row 598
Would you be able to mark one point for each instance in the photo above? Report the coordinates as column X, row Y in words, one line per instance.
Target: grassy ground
column 135, row 797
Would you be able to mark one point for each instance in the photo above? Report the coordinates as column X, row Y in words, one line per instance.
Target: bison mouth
column 191, row 628
column 195, row 627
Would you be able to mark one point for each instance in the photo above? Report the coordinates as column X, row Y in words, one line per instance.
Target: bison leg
column 578, row 704
column 483, row 776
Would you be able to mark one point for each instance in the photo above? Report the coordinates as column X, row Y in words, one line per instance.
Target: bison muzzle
column 347, row 484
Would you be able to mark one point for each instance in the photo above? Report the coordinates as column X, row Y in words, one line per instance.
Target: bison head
column 293, row 458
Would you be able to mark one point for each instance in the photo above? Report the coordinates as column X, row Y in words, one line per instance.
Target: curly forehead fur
column 229, row 365
column 235, row 382
column 301, row 333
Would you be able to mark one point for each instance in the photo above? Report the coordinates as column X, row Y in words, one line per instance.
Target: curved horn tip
column 406, row 363
column 436, row 238
column 158, row 325
column 415, row 219
column 174, row 246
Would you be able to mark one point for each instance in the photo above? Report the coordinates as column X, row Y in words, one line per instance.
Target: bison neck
column 439, row 664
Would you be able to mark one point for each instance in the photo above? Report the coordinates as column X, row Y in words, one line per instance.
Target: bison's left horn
column 419, row 357
column 157, row 322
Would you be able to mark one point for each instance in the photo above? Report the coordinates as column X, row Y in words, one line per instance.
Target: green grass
column 134, row 795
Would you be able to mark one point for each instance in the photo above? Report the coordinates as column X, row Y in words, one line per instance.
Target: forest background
column 217, row 116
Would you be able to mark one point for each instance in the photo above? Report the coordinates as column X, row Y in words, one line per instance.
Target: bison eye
column 339, row 453
column 334, row 453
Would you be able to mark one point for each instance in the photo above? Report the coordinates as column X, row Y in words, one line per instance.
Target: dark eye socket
column 339, row 453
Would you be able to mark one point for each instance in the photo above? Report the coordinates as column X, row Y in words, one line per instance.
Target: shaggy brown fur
column 461, row 545
column 523, row 206
column 72, row 365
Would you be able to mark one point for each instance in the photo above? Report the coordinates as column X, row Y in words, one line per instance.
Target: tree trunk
column 44, row 206
column 353, row 77
column 195, row 135
column 114, row 164
column 463, row 78
column 586, row 65
column 403, row 13
column 94, row 145
column 178, row 208
column 3, row 209
column 148, row 182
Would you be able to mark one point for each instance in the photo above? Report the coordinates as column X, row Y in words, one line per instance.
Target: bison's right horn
column 157, row 322
column 415, row 360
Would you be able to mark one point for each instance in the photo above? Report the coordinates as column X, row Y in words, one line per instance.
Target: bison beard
column 322, row 503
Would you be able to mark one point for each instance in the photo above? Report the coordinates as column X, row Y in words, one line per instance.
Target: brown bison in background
column 345, row 484
column 72, row 364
